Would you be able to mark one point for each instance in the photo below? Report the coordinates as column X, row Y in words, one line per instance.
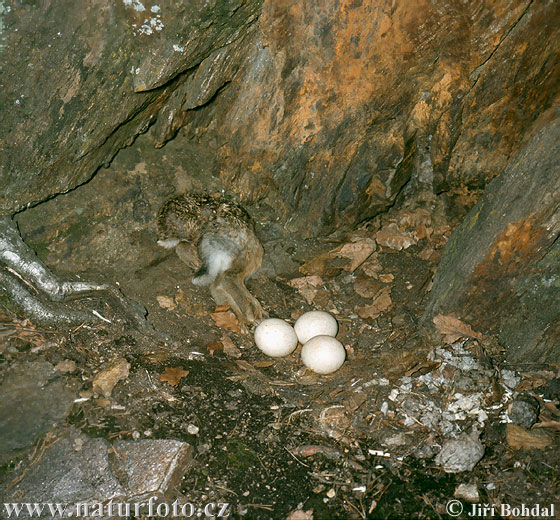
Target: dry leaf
column 225, row 320
column 165, row 302
column 386, row 278
column 380, row 304
column 426, row 253
column 555, row 425
column 315, row 266
column 307, row 286
column 105, row 381
column 372, row 266
column 173, row 375
column 358, row 252
column 392, row 237
column 213, row 346
column 454, row 329
column 229, row 347
column 367, row 287
column 520, row 438
column 421, row 232
column 265, row 363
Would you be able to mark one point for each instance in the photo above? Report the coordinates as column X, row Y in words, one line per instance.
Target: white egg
column 323, row 354
column 315, row 323
column 275, row 337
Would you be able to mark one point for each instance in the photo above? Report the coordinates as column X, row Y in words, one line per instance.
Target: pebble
column 524, row 411
column 460, row 454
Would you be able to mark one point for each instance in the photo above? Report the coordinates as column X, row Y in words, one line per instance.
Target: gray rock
column 32, row 400
column 75, row 468
column 499, row 270
column 93, row 78
column 524, row 411
column 460, row 454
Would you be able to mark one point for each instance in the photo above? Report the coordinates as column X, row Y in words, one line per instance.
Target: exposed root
column 29, row 287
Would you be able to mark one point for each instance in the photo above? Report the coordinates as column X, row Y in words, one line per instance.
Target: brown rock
column 499, row 271
column 105, row 381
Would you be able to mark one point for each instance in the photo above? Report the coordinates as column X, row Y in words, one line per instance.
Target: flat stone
column 75, row 468
column 31, row 402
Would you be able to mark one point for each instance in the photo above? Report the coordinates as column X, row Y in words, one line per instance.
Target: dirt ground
column 273, row 439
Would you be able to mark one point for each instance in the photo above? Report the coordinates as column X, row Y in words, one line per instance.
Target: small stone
column 468, row 492
column 105, row 381
column 460, row 454
column 192, row 429
column 66, row 366
column 524, row 411
column 511, row 379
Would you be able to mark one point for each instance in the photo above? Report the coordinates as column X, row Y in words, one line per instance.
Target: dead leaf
column 386, row 278
column 316, row 266
column 213, row 346
column 419, row 369
column 367, row 287
column 454, row 329
column 371, row 267
column 225, row 319
column 105, row 381
column 165, row 302
column 392, row 237
column 411, row 220
column 519, row 438
column 555, row 425
column 307, row 286
column 265, row 363
column 229, row 347
column 173, row 375
column 380, row 304
column 426, row 253
column 357, row 251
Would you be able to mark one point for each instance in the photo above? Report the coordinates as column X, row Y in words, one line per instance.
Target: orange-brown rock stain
column 513, row 254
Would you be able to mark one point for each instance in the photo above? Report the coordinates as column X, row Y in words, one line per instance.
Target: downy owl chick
column 217, row 237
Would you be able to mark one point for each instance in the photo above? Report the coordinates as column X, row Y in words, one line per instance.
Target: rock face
column 342, row 107
column 501, row 268
column 331, row 110
column 81, row 81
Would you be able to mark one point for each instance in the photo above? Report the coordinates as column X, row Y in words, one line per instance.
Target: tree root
column 28, row 286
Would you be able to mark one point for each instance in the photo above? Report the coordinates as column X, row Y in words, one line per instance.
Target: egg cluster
column 315, row 330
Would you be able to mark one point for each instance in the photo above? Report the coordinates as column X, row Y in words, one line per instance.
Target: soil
column 270, row 436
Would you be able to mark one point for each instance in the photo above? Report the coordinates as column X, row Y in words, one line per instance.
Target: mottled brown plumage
column 217, row 237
